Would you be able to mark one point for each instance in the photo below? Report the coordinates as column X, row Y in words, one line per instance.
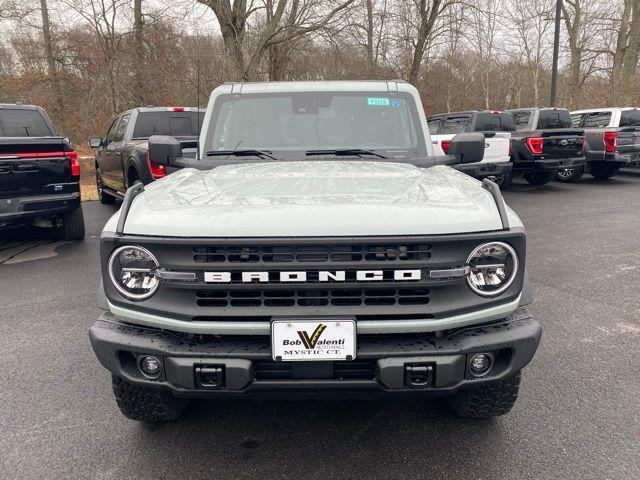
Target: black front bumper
column 484, row 170
column 247, row 369
column 22, row 209
column 546, row 165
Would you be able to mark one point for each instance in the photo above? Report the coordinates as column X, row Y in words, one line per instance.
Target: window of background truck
column 175, row 124
column 597, row 120
column 576, row 119
column 302, row 121
column 122, row 126
column 22, row 123
column 630, row 118
column 552, row 119
column 521, row 119
column 454, row 125
column 434, row 125
column 111, row 133
column 494, row 122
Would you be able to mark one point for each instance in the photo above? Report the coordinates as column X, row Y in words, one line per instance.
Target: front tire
column 539, row 178
column 570, row 175
column 144, row 404
column 486, row 401
column 72, row 225
column 604, row 171
column 503, row 180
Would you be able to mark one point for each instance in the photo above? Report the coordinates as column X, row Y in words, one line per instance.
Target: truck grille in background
column 337, row 297
column 313, row 253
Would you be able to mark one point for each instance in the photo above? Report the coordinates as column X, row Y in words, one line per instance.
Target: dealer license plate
column 306, row 340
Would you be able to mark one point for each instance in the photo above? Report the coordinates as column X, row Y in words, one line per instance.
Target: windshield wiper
column 346, row 152
column 242, row 153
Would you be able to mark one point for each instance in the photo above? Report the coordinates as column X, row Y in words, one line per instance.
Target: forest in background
column 86, row 60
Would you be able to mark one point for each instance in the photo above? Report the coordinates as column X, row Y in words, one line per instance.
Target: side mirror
column 163, row 149
column 468, row 147
column 95, row 142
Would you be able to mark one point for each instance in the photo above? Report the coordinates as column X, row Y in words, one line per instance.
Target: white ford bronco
column 318, row 249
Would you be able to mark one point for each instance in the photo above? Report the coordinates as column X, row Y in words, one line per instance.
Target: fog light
column 480, row 364
column 150, row 366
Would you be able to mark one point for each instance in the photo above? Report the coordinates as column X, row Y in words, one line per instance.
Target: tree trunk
column 618, row 54
column 428, row 18
column 573, row 24
column 371, row 62
column 630, row 59
column 52, row 71
column 138, row 39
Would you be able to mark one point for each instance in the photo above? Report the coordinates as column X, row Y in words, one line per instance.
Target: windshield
column 630, row 118
column 175, row 124
column 22, row 123
column 302, row 122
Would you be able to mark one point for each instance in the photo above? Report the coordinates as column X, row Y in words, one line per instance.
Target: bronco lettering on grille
column 321, row 275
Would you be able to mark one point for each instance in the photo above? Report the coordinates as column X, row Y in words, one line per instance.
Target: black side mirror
column 95, row 142
column 468, row 147
column 163, row 149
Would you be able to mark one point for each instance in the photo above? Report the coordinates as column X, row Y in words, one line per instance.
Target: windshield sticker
column 395, row 104
column 383, row 102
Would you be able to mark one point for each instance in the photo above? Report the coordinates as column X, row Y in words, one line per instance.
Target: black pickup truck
column 122, row 155
column 544, row 143
column 39, row 173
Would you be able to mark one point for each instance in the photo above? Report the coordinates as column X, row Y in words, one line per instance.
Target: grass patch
column 88, row 190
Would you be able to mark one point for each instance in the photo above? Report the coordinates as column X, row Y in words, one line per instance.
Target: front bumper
column 247, row 368
column 19, row 209
column 483, row 170
column 547, row 164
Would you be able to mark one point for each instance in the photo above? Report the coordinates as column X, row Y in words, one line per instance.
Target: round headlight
column 133, row 272
column 492, row 268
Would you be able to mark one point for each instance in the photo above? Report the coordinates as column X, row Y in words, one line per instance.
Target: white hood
column 313, row 198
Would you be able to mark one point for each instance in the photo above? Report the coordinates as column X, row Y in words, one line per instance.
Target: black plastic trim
column 129, row 196
column 497, row 197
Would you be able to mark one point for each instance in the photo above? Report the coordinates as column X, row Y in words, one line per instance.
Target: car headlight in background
column 492, row 268
column 133, row 272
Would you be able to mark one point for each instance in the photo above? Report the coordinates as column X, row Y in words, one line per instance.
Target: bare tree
column 52, row 70
column 139, row 47
column 283, row 22
column 531, row 22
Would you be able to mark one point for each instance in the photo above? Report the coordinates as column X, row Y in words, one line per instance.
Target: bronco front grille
column 337, row 297
column 311, row 253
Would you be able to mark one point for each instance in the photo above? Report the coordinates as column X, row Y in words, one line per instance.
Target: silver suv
column 315, row 247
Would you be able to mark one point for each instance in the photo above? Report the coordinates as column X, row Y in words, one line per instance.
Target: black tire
column 72, row 225
column 539, row 178
column 507, row 180
column 103, row 196
column 151, row 405
column 490, row 400
column 604, row 171
column 570, row 175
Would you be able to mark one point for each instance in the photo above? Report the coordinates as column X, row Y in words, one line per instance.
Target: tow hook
column 210, row 377
column 418, row 375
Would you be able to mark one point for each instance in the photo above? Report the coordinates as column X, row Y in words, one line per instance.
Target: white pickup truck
column 496, row 127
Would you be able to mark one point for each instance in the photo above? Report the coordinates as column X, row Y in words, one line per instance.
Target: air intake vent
column 312, row 297
column 314, row 253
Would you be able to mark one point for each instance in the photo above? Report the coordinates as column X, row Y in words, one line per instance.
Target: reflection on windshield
column 316, row 121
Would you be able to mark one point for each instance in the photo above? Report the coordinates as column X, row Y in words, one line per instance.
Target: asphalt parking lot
column 578, row 415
